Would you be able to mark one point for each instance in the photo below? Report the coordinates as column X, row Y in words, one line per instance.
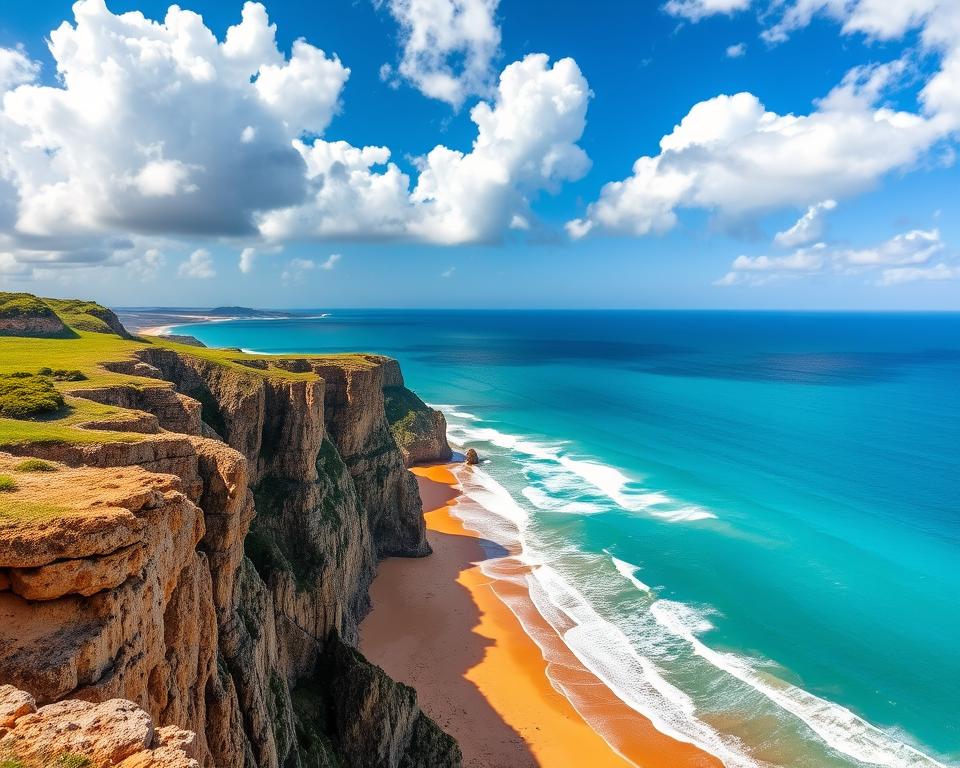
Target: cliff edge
column 194, row 531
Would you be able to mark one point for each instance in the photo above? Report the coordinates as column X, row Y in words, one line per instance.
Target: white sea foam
column 628, row 571
column 836, row 725
column 607, row 652
column 626, row 667
column 543, row 500
column 609, row 481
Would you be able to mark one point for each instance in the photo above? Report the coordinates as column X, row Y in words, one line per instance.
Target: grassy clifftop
column 43, row 369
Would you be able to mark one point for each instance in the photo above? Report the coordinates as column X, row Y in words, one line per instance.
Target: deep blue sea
column 752, row 519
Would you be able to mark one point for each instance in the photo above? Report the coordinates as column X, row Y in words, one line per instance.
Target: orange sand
column 440, row 625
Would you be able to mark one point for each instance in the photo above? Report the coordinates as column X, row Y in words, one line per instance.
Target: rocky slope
column 211, row 563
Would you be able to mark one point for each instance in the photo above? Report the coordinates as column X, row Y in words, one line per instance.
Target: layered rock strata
column 213, row 568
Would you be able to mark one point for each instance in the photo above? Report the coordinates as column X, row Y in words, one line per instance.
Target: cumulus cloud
column 904, row 257
column 937, row 20
column 16, row 68
column 525, row 144
column 914, row 247
column 157, row 128
column 731, row 156
column 331, row 261
column 736, row 51
column 808, row 228
column 448, row 46
column 198, row 266
column 695, row 10
column 247, row 258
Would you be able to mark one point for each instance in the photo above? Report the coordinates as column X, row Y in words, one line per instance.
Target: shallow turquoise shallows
column 761, row 510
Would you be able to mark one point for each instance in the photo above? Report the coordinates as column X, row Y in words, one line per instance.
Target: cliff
column 419, row 431
column 195, row 531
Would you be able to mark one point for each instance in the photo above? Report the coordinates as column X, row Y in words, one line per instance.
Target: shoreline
column 455, row 633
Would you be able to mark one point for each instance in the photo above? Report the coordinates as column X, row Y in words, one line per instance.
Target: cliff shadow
column 423, row 631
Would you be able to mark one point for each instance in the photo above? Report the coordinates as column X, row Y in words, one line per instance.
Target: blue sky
column 698, row 227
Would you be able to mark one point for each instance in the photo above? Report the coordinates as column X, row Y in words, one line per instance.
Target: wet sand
column 443, row 626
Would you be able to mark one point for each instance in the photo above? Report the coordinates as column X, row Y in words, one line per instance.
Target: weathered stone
column 471, row 456
column 14, row 704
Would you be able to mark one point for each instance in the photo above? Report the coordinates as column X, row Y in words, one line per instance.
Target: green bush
column 22, row 397
column 7, row 484
column 35, row 465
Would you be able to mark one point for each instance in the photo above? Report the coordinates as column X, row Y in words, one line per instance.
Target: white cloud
column 148, row 266
column 736, row 51
column 448, row 272
column 695, row 10
column 905, row 257
column 247, row 258
column 331, row 261
column 448, row 46
column 163, row 178
column 808, row 228
column 914, row 247
column 16, row 68
column 731, row 156
column 937, row 20
column 526, row 143
column 296, row 269
column 900, row 275
column 198, row 266
column 157, row 128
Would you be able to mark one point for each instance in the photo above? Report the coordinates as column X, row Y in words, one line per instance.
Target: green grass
column 24, row 396
column 72, row 363
column 84, row 315
column 35, row 465
column 69, row 760
column 11, row 763
column 30, row 511
column 7, row 484
column 23, row 305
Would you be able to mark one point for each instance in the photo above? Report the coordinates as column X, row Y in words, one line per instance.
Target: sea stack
column 471, row 457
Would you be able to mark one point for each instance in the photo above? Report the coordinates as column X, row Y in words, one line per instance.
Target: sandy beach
column 441, row 625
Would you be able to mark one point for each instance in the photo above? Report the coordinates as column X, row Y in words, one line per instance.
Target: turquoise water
column 753, row 518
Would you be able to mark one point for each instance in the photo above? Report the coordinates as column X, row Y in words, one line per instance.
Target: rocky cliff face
column 213, row 569
column 419, row 431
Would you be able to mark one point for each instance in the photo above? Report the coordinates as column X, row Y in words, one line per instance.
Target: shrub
column 23, row 397
column 7, row 484
column 35, row 465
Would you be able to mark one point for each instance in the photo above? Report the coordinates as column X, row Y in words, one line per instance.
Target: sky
column 778, row 154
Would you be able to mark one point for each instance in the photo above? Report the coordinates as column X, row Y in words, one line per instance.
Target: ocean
column 747, row 524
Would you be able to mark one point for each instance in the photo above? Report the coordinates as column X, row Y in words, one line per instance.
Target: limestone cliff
column 208, row 557
column 419, row 431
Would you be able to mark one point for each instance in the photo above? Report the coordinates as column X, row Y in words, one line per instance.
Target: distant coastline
column 160, row 321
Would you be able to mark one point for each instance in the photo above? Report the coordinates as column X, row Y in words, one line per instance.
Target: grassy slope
column 85, row 351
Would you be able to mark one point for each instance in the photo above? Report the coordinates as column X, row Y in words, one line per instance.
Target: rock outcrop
column 78, row 733
column 419, row 431
column 213, row 567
